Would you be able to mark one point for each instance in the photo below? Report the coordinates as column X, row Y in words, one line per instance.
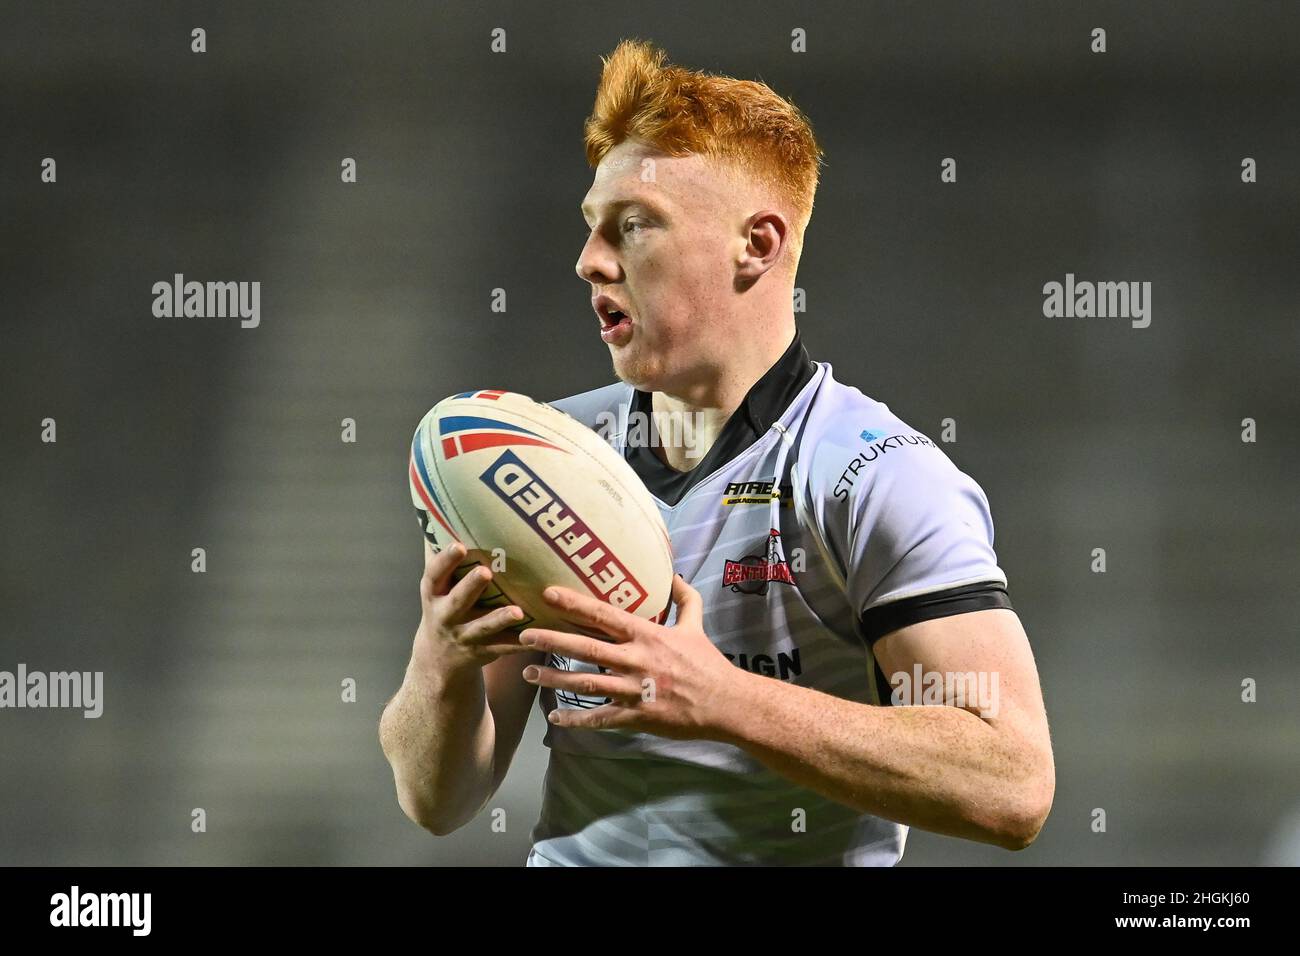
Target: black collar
column 764, row 404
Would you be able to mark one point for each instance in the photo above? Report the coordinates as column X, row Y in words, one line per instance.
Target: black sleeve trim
column 879, row 621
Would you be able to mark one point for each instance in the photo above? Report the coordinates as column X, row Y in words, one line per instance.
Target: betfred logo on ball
column 566, row 533
column 541, row 499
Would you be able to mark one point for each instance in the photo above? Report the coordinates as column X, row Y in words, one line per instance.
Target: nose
column 597, row 263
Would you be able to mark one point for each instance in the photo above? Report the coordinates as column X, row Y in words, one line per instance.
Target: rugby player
column 842, row 661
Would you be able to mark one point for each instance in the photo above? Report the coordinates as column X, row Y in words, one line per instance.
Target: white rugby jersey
column 817, row 523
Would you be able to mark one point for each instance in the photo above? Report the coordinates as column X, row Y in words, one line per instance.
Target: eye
column 633, row 225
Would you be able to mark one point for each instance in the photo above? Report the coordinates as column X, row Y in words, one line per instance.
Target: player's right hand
column 451, row 627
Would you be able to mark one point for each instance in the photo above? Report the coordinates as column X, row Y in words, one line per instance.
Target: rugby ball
column 540, row 499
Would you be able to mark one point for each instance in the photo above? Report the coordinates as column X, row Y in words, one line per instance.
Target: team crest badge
column 753, row 573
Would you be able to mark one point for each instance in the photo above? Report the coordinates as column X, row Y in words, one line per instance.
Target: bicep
column 980, row 654
column 510, row 698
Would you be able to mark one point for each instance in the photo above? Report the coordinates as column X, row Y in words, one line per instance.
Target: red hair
column 681, row 112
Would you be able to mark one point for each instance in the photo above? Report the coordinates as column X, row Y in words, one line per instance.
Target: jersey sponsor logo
column 753, row 573
column 566, row 533
column 878, row 449
column 759, row 492
column 786, row 666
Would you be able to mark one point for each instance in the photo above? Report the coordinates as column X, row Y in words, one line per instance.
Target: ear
column 766, row 235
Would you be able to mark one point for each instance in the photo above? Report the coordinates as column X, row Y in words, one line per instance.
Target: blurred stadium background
column 222, row 690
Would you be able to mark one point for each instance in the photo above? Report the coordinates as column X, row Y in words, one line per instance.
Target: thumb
column 690, row 606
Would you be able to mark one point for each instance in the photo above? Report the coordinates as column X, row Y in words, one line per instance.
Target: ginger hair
column 741, row 123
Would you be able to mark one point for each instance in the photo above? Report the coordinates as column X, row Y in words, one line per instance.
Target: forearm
column 939, row 768
column 438, row 735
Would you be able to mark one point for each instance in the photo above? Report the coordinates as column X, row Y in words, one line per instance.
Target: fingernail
column 531, row 672
column 551, row 594
column 528, row 637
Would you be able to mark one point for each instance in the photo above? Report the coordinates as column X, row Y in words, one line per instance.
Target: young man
column 827, row 554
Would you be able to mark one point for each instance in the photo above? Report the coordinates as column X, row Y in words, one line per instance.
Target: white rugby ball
column 541, row 499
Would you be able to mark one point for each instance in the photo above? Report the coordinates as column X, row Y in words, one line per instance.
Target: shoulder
column 599, row 407
column 901, row 517
column 851, row 444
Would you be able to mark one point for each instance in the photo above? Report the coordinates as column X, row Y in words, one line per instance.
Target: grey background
column 223, row 689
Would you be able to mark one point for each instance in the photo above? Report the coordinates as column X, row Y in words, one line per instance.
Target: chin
column 638, row 371
column 629, row 369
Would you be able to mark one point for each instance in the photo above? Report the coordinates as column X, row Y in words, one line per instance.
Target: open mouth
column 615, row 323
column 609, row 309
column 616, row 329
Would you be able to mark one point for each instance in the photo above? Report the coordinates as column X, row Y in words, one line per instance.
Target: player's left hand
column 668, row 681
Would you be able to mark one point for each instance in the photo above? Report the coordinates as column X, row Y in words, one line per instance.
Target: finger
column 438, row 568
column 623, row 689
column 490, row 652
column 482, row 628
column 479, row 610
column 690, row 606
column 604, row 717
column 618, row 624
column 592, row 650
column 460, row 599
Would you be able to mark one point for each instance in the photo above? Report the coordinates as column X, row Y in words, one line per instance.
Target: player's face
column 665, row 234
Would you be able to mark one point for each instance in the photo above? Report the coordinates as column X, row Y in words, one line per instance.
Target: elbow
column 424, row 816
column 1027, row 813
column 414, row 800
column 1020, row 830
column 426, row 812
column 433, row 798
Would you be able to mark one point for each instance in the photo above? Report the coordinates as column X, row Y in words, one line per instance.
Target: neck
column 699, row 410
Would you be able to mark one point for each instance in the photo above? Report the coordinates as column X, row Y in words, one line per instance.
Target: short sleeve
column 913, row 534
